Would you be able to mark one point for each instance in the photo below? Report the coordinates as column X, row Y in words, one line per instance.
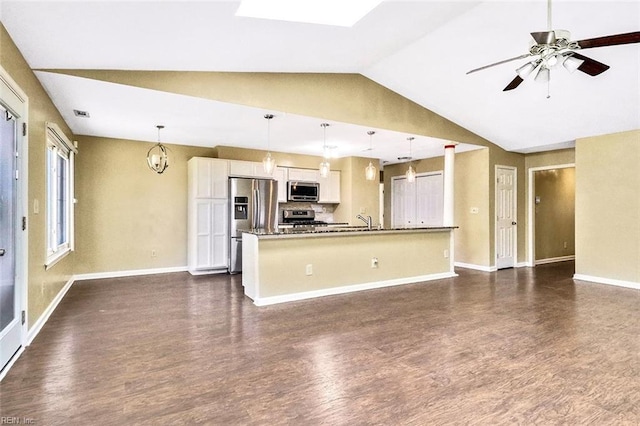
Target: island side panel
column 345, row 260
column 250, row 270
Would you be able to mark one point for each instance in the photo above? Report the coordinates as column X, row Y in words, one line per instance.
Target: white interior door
column 429, row 199
column 10, row 317
column 506, row 214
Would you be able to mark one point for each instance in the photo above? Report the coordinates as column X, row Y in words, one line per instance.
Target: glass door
column 10, row 318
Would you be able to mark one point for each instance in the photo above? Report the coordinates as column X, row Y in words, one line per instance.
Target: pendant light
column 268, row 163
column 325, row 167
column 411, row 173
column 370, row 170
column 157, row 156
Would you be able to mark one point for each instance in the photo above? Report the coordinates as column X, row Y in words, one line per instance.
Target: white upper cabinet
column 208, row 177
column 329, row 188
column 281, row 176
column 303, row 175
column 248, row 169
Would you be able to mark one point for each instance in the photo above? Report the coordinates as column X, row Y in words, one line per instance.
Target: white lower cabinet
column 208, row 236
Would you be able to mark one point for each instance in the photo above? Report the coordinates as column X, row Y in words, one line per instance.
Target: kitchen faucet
column 366, row 220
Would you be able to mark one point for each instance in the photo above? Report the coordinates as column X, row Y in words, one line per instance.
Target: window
column 60, row 192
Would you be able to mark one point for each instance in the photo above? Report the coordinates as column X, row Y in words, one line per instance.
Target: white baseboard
column 12, row 361
column 207, row 271
column 608, row 281
column 475, row 267
column 40, row 322
column 264, row 301
column 555, row 259
column 129, row 273
column 523, row 265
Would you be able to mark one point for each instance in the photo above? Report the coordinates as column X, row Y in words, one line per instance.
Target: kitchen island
column 294, row 265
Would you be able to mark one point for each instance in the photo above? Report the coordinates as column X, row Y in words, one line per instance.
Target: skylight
column 340, row 13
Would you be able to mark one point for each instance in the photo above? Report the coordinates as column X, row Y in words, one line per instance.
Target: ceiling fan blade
column 544, row 37
column 611, row 40
column 499, row 63
column 514, row 83
column 591, row 66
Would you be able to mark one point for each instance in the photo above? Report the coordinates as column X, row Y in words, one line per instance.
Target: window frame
column 59, row 147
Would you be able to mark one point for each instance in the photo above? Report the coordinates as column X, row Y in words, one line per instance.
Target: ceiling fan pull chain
column 549, row 87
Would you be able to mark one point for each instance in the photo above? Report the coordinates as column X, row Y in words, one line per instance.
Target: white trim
column 531, row 225
column 475, row 267
column 608, row 281
column 12, row 361
column 17, row 102
column 207, row 271
column 515, row 212
column 555, row 259
column 523, row 265
column 264, row 301
column 40, row 322
column 129, row 273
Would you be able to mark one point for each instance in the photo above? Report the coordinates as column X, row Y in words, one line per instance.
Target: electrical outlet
column 474, row 210
column 309, row 269
column 565, row 244
column 154, row 253
column 446, row 254
column 374, row 262
column 36, row 206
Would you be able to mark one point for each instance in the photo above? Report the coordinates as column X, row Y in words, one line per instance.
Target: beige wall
column 125, row 210
column 43, row 285
column 554, row 213
column 608, row 206
column 359, row 196
column 471, row 189
column 346, row 260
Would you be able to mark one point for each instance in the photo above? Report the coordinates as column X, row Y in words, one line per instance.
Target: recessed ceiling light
column 81, row 114
column 326, row 12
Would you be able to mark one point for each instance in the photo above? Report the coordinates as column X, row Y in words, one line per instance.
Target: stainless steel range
column 301, row 218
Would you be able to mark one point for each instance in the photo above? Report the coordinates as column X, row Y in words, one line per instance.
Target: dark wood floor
column 514, row 347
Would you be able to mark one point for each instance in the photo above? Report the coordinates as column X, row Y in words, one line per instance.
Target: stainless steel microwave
column 303, row 191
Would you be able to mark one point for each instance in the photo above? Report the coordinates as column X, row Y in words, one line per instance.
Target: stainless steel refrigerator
column 254, row 206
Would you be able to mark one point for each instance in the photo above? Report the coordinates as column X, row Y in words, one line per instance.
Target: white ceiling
column 420, row 49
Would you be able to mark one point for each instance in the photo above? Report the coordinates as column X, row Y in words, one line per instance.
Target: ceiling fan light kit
column 555, row 47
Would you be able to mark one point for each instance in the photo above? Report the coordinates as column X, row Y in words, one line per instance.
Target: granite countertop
column 328, row 231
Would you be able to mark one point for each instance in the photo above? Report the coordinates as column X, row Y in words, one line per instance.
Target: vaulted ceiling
column 419, row 49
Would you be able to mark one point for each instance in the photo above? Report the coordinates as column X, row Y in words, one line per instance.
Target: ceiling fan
column 554, row 47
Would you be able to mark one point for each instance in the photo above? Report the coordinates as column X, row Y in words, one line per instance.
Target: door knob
column 2, row 252
column 513, row 223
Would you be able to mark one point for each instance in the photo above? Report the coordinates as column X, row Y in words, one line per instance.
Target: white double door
column 419, row 203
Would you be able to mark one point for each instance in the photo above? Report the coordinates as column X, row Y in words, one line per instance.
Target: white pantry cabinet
column 329, row 188
column 207, row 218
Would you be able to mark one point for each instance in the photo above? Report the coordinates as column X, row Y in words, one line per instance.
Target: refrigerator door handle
column 256, row 209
